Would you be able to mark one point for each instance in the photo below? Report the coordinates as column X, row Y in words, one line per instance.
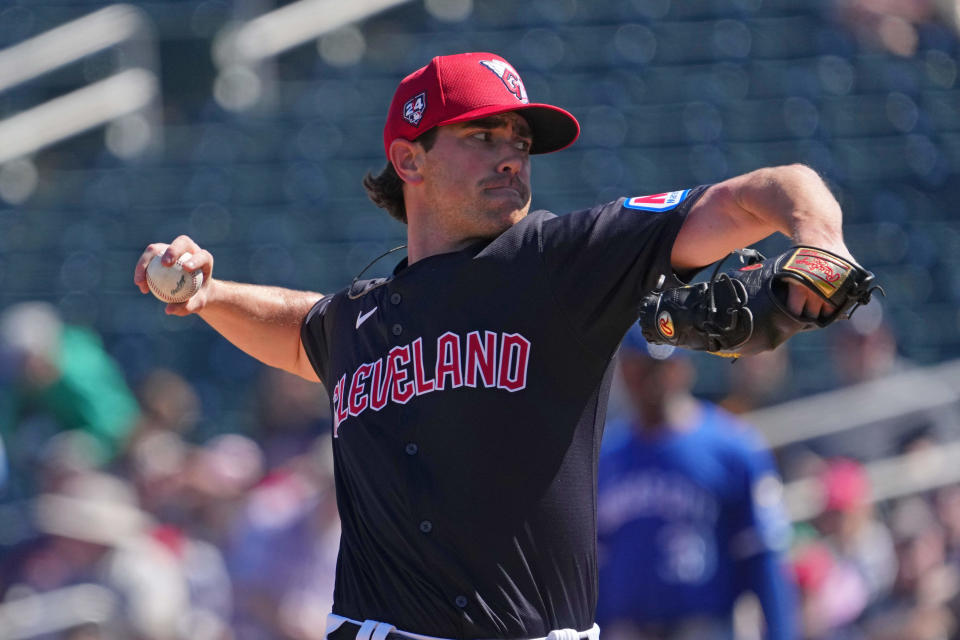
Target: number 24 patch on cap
column 657, row 202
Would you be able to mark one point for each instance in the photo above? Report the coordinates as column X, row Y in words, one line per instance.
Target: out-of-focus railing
column 127, row 101
column 869, row 413
column 933, row 391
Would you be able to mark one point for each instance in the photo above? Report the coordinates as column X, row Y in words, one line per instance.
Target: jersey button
column 412, row 448
column 396, row 329
column 461, row 601
column 395, row 298
column 426, row 526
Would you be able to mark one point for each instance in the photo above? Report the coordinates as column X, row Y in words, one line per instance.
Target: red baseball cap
column 845, row 485
column 468, row 86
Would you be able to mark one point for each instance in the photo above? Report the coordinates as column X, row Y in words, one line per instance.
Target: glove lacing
column 715, row 331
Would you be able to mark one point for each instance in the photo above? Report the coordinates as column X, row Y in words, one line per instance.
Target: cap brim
column 553, row 128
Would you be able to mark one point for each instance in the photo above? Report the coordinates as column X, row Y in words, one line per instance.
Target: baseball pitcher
column 468, row 388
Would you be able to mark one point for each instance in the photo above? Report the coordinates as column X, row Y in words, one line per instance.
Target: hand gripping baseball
column 744, row 311
column 183, row 254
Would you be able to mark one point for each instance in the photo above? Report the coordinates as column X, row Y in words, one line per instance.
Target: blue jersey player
column 689, row 511
column 468, row 388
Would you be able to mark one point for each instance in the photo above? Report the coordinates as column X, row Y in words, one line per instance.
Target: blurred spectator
column 283, row 550
column 894, row 24
column 209, row 588
column 168, row 403
column 850, row 527
column 832, row 593
column 157, row 454
column 758, row 381
column 94, row 534
column 865, row 348
column 887, row 24
column 291, row 412
column 157, row 465
column 197, row 492
column 218, row 482
column 950, row 9
column 919, row 606
column 58, row 378
column 690, row 513
column 948, row 514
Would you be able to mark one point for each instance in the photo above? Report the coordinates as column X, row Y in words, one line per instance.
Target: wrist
column 821, row 238
column 210, row 293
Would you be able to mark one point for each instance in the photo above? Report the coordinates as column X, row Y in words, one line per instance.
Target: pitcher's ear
column 407, row 160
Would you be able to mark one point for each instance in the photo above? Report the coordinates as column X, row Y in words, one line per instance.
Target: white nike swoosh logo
column 362, row 317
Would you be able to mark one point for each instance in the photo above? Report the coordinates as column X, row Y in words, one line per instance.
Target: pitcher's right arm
column 262, row 321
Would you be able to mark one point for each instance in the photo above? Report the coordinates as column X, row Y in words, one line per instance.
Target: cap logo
column 510, row 78
column 414, row 107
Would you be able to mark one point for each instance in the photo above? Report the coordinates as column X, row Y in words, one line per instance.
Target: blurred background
column 157, row 483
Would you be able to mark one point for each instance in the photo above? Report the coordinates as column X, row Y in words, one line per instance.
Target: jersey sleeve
column 601, row 261
column 314, row 337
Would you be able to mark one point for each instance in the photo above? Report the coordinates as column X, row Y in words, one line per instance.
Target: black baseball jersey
column 468, row 392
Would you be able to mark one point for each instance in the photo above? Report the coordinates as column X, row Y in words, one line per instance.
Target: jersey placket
column 404, row 331
column 422, row 524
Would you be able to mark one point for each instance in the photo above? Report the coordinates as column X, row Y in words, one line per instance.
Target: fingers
column 193, row 305
column 804, row 303
column 140, row 270
column 178, row 309
column 177, row 248
column 199, row 259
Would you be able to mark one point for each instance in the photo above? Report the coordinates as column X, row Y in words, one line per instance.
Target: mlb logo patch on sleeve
column 657, row 202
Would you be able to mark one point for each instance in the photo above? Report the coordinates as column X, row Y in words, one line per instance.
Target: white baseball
column 173, row 283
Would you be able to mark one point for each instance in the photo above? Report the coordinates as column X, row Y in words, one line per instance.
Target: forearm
column 795, row 201
column 262, row 321
column 743, row 210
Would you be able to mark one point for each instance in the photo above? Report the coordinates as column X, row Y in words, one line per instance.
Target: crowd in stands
column 143, row 528
column 140, row 530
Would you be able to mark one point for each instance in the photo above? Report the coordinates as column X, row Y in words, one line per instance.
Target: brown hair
column 386, row 188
